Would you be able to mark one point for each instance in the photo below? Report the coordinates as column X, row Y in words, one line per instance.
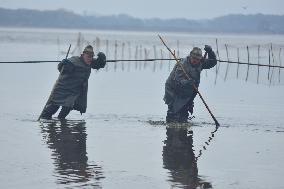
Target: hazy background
column 188, row 9
column 116, row 147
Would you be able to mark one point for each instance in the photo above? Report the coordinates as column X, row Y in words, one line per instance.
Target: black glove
column 61, row 64
column 208, row 49
column 65, row 66
column 101, row 60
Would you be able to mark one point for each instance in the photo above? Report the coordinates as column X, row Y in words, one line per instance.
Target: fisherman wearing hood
column 179, row 90
column 71, row 87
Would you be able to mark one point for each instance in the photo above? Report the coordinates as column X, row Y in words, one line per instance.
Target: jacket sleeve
column 210, row 62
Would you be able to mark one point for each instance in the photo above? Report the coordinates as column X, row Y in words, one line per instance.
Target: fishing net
column 261, row 64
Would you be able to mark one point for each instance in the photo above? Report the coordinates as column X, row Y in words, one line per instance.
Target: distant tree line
column 258, row 23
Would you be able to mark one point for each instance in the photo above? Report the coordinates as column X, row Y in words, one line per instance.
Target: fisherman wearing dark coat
column 179, row 90
column 71, row 87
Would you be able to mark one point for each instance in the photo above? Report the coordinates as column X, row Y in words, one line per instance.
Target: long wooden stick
column 49, row 96
column 188, row 77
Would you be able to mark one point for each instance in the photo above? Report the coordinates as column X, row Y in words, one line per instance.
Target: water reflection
column 179, row 159
column 67, row 140
column 210, row 138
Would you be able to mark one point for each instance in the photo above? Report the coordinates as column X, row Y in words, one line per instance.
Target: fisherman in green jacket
column 71, row 87
column 179, row 90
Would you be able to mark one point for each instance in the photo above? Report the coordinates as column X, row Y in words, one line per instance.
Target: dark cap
column 88, row 49
column 196, row 53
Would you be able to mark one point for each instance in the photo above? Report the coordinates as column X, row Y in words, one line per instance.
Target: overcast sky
column 190, row 9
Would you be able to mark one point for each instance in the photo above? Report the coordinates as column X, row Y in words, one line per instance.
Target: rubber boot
column 48, row 111
column 64, row 112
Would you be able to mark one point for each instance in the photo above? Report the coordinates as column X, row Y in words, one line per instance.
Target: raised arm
column 99, row 62
column 211, row 61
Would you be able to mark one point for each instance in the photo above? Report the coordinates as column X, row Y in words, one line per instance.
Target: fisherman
column 179, row 90
column 70, row 89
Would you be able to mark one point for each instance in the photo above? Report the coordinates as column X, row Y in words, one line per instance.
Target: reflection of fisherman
column 70, row 89
column 68, row 144
column 179, row 159
column 179, row 91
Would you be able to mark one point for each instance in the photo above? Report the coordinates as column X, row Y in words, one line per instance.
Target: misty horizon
column 147, row 9
column 85, row 13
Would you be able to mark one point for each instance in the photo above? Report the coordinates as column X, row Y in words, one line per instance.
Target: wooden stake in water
column 268, row 73
column 122, row 56
column 248, row 64
column 218, row 64
column 238, row 55
column 140, row 56
column 107, row 53
column 115, row 54
column 98, row 44
column 258, row 57
column 136, row 57
column 155, row 56
column 227, row 68
column 162, row 57
column 145, row 57
column 58, row 47
column 279, row 75
column 129, row 55
column 273, row 63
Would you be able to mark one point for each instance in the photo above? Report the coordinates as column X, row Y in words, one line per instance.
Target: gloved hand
column 65, row 66
column 101, row 59
column 65, row 61
column 208, row 49
column 61, row 64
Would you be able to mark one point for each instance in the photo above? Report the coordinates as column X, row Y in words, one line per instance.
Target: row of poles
column 263, row 56
column 125, row 56
column 121, row 52
column 273, row 63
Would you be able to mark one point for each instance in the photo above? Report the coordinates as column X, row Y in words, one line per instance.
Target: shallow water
column 115, row 146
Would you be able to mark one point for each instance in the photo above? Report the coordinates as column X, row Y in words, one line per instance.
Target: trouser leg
column 184, row 112
column 48, row 111
column 190, row 107
column 183, row 115
column 64, row 112
column 171, row 116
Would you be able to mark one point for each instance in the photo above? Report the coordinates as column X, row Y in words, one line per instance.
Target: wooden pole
column 279, row 76
column 248, row 64
column 227, row 68
column 161, row 62
column 155, row 56
column 115, row 54
column 238, row 54
column 217, row 66
column 122, row 55
column 258, row 57
column 107, row 53
column 129, row 55
column 273, row 63
column 268, row 64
